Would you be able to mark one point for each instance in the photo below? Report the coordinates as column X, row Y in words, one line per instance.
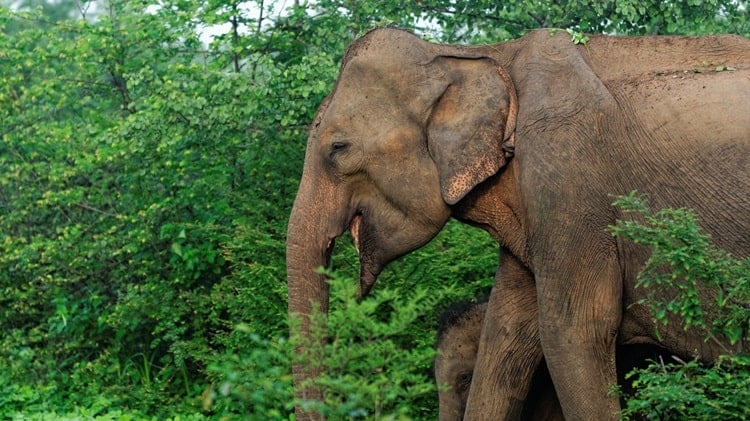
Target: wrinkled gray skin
column 457, row 344
column 458, row 340
column 415, row 133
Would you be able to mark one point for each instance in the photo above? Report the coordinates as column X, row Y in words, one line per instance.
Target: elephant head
column 457, row 344
column 408, row 130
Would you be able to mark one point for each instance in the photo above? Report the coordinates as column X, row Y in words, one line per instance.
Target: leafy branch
column 684, row 262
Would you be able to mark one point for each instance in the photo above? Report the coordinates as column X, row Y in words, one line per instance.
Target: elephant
column 529, row 140
column 457, row 343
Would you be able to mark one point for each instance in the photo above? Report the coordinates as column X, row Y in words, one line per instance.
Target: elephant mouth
column 355, row 227
column 368, row 270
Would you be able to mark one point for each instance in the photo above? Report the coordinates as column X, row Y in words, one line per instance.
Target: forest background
column 150, row 151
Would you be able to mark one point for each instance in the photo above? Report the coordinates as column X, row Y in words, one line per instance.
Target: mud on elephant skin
column 457, row 344
column 528, row 140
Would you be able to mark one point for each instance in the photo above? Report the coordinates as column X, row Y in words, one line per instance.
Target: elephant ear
column 470, row 130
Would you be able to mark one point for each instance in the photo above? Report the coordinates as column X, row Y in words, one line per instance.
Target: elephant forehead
column 379, row 87
column 357, row 118
column 389, row 85
column 365, row 113
column 462, row 339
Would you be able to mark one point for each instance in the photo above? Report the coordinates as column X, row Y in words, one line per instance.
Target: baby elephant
column 457, row 343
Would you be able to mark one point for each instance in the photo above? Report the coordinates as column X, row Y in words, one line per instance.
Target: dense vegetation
column 149, row 155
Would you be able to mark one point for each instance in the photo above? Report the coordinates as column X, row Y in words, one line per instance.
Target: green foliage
column 684, row 260
column 134, row 185
column 373, row 366
column 380, row 350
column 577, row 37
column 253, row 381
column 489, row 20
column 691, row 391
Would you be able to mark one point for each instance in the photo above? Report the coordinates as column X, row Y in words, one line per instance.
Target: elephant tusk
column 354, row 227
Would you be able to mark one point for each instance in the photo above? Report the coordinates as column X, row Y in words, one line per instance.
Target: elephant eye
column 464, row 380
column 337, row 147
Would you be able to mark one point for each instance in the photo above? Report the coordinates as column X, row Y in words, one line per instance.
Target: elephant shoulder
column 558, row 89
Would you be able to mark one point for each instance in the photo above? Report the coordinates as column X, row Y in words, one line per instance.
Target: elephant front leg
column 509, row 348
column 580, row 314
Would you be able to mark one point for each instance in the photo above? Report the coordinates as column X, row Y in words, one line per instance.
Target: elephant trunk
column 309, row 245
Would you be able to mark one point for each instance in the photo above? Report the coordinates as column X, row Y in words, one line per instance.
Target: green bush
column 374, row 366
column 377, row 359
column 254, row 382
column 691, row 391
column 684, row 259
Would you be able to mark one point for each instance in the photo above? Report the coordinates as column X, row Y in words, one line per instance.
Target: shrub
column 684, row 259
column 377, row 359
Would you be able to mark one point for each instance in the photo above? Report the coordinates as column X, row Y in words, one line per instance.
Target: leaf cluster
column 691, row 391
column 684, row 263
column 684, row 260
column 373, row 366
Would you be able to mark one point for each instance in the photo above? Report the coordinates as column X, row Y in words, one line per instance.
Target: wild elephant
column 457, row 343
column 528, row 140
